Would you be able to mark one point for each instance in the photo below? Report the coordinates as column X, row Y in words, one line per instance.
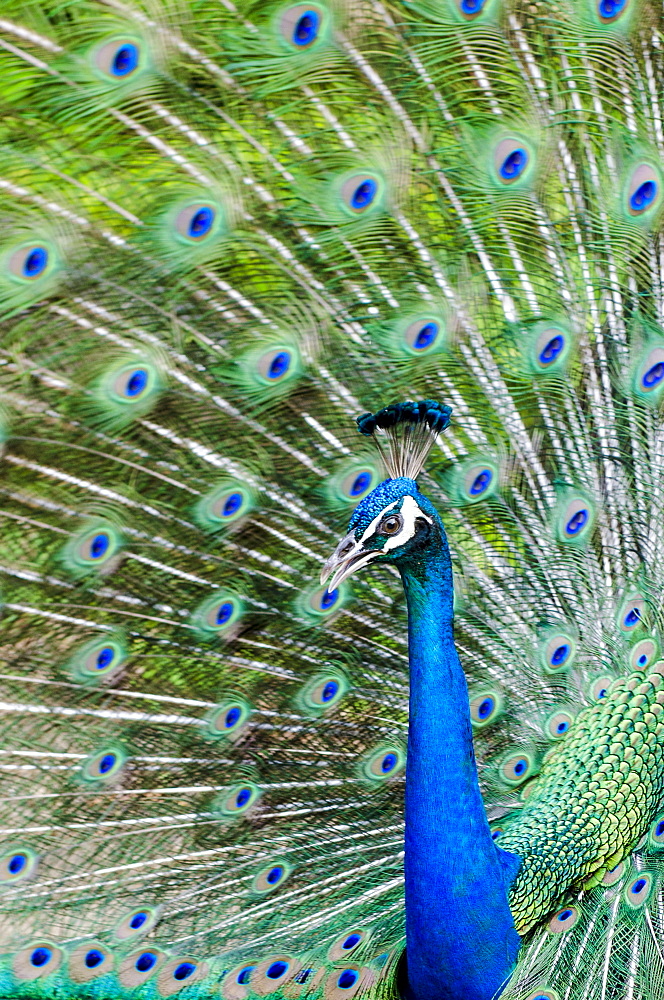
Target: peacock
column 331, row 478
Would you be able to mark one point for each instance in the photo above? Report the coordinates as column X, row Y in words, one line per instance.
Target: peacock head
column 395, row 523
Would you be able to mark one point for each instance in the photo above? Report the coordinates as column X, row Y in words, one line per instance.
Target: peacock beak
column 348, row 556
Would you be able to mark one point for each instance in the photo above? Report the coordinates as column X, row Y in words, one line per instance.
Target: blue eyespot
column 351, row 941
column 94, row 958
column 224, row 612
column 552, row 349
column 328, row 599
column 107, row 762
column 184, row 970
column 560, row 655
column 638, row 885
column 646, row 193
column 653, row 376
column 306, row 28
column 347, row 979
column 514, row 164
column 659, row 829
column 35, row 262
column 389, row 762
column 145, row 962
column 136, row 383
column 244, row 975
column 201, row 222
column 232, row 505
column 17, row 864
column 303, row 976
column 516, row 768
column 485, row 708
column 329, row 690
column 279, row 365
column 361, row 484
column 277, row 970
column 105, row 658
column 99, row 545
column 363, row 194
column 232, row 717
column 562, row 727
column 564, row 915
column 125, row 60
column 609, row 10
column 481, row 482
column 495, row 834
column 242, row 797
column 138, row 920
column 520, row 767
column 471, row 8
column 632, row 617
column 40, row 957
column 425, row 336
column 601, row 693
column 577, row 522
column 274, row 875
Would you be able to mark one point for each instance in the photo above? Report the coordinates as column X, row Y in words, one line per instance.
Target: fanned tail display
column 228, row 229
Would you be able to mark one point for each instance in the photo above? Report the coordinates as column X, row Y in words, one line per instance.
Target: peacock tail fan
column 227, row 230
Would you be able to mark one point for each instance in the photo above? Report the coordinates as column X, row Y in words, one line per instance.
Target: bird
column 229, row 230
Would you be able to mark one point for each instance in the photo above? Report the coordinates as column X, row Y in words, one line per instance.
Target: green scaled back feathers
column 227, row 229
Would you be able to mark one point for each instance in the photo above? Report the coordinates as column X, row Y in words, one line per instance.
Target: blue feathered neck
column 461, row 940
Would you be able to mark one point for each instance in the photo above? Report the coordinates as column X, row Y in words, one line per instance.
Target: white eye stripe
column 409, row 511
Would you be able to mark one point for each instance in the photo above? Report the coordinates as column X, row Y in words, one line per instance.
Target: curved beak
column 346, row 558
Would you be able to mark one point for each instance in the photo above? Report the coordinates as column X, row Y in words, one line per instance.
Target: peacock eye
column 391, row 525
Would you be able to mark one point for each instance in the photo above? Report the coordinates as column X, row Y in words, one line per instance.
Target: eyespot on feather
column 544, row 993
column 352, row 483
column 558, row 724
column 512, row 161
column 321, row 603
column 140, row 966
column 515, row 768
column 229, row 719
column 92, row 549
column 237, row 800
column 643, row 654
column 648, row 376
column 557, row 652
column 632, row 613
column 217, row 614
column 614, row 875
column 638, row 889
column 303, row 26
column 37, row 961
column 98, row 660
column 17, row 864
column 343, row 983
column 179, row 972
column 89, row 961
column 322, row 692
column 271, row 876
column 384, row 762
column 104, row 765
column 656, row 834
column 228, row 502
column 598, row 688
column 136, row 922
column 472, row 481
column 610, row 11
column 550, row 347
column 486, row 707
column 119, row 59
column 347, row 943
column 31, row 261
column 198, row 222
column 643, row 189
column 272, row 973
column 362, row 193
column 575, row 518
column 564, row 920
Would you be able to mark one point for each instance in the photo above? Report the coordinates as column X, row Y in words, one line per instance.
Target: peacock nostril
column 345, row 549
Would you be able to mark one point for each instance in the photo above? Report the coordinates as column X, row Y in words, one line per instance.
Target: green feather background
column 226, row 231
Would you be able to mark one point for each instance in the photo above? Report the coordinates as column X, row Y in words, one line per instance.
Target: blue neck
column 460, row 938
